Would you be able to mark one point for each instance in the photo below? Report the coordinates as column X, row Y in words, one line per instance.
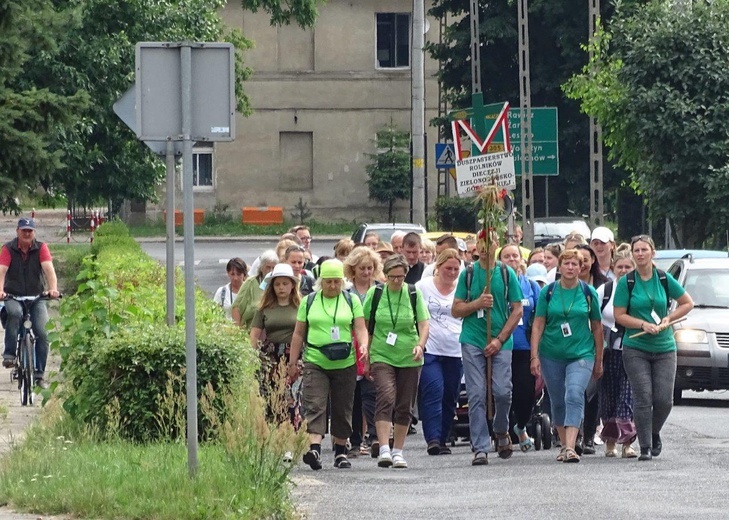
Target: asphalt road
column 689, row 480
column 212, row 255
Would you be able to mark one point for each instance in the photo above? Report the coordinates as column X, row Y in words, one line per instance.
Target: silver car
column 703, row 339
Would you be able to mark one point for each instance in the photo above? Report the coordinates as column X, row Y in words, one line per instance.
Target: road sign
column 445, row 155
column 473, row 173
column 545, row 142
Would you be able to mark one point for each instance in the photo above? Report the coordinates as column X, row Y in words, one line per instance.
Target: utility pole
column 525, row 112
column 596, row 167
column 418, row 111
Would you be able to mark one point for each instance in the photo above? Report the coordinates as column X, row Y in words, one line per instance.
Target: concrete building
column 319, row 96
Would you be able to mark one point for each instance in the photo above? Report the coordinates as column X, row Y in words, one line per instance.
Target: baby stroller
column 539, row 427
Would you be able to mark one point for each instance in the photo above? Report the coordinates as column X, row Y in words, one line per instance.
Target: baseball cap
column 26, row 223
column 331, row 269
column 461, row 244
column 602, row 234
column 537, row 272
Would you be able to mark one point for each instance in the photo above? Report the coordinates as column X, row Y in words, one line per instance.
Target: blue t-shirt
column 530, row 290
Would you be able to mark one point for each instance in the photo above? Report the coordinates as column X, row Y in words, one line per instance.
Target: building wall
column 318, row 101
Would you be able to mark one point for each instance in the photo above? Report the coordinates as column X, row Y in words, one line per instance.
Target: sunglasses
column 643, row 238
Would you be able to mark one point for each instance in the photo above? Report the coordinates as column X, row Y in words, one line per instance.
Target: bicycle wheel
column 27, row 363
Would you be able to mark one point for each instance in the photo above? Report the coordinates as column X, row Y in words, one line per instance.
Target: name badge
column 655, row 317
column 521, row 321
column 479, row 314
column 566, row 330
column 526, row 302
column 391, row 338
column 335, row 333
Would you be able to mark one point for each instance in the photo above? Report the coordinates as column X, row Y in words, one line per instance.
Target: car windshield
column 708, row 287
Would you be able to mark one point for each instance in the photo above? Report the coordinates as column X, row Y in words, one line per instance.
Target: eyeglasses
column 643, row 238
column 395, row 277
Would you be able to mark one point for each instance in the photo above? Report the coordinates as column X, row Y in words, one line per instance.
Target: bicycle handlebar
column 42, row 296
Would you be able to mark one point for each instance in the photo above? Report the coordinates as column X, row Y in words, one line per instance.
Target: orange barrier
column 262, row 216
column 198, row 217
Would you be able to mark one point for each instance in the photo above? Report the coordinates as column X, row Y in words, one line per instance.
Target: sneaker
column 657, row 445
column 287, row 457
column 589, row 447
column 645, row 454
column 384, row 460
column 375, row 449
column 313, row 459
column 42, row 383
column 445, row 450
column 8, row 362
column 398, row 461
column 434, row 448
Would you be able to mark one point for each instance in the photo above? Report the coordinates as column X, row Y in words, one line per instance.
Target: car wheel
column 677, row 395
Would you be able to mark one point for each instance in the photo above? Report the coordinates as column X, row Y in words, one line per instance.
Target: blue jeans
column 566, row 382
column 474, row 368
column 440, row 382
column 39, row 317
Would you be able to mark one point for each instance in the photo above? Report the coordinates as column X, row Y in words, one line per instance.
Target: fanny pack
column 336, row 351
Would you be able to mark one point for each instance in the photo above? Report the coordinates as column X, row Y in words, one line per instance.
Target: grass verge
column 158, row 229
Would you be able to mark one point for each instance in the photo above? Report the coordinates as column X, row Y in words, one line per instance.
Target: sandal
column 526, row 444
column 503, row 445
column 561, row 454
column 570, row 455
column 341, row 462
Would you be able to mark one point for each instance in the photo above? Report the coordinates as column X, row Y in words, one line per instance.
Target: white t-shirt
column 444, row 328
column 608, row 313
column 225, row 298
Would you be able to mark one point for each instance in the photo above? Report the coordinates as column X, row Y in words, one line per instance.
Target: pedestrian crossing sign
column 445, row 155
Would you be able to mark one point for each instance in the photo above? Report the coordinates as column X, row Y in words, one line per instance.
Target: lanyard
column 651, row 295
column 389, row 306
column 561, row 297
column 336, row 306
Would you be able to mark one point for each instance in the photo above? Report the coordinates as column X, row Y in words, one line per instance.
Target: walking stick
column 492, row 208
column 638, row 334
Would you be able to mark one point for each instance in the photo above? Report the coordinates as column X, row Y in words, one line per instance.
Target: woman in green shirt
column 397, row 346
column 271, row 332
column 649, row 350
column 567, row 347
column 327, row 320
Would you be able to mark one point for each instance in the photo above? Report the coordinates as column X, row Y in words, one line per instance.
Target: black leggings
column 522, row 399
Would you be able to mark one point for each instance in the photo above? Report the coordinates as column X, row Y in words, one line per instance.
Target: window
column 296, row 152
column 202, row 168
column 393, row 40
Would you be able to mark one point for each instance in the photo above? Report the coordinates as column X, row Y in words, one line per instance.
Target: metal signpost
column 186, row 92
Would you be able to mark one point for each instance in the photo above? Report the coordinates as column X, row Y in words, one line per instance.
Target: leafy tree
column 659, row 87
column 556, row 31
column 283, row 12
column 31, row 117
column 389, row 171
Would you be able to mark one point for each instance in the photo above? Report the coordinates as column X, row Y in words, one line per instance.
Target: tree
column 32, row 118
column 659, row 87
column 389, row 171
column 556, row 31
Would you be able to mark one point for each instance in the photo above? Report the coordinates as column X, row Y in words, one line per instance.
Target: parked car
column 548, row 230
column 384, row 230
column 702, row 340
column 664, row 258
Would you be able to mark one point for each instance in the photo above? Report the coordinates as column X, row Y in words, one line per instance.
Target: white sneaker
column 288, row 457
column 398, row 461
column 384, row 460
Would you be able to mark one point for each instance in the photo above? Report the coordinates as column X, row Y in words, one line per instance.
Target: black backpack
column 585, row 291
column 377, row 296
column 504, row 275
column 630, row 279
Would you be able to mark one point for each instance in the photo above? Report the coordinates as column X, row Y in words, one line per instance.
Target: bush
column 456, row 214
column 115, row 347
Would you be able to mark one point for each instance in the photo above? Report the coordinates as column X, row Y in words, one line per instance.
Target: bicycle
column 25, row 367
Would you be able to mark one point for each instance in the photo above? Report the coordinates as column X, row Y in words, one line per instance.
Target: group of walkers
column 381, row 334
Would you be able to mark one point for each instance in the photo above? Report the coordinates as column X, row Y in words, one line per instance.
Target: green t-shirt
column 249, row 296
column 645, row 297
column 278, row 322
column 395, row 314
column 568, row 306
column 324, row 314
column 474, row 328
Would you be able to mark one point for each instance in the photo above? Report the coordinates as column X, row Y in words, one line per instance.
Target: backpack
column 607, row 294
column 412, row 292
column 532, row 313
column 585, row 291
column 630, row 279
column 504, row 275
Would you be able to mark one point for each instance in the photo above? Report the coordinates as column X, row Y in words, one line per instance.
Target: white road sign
column 482, row 170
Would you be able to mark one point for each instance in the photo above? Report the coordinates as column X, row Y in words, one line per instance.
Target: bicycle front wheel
column 27, row 365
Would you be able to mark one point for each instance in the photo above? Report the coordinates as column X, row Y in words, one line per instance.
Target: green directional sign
column 545, row 142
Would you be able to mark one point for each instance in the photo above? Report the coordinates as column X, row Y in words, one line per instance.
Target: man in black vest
column 26, row 266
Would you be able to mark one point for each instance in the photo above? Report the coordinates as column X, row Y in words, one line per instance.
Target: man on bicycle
column 26, row 266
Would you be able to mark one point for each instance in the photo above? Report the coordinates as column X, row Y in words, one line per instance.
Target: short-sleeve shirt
column 324, row 314
column 278, row 322
column 444, row 329
column 646, row 297
column 44, row 255
column 394, row 314
column 568, row 306
column 474, row 328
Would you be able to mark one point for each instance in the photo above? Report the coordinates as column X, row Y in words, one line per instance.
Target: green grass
column 222, row 228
